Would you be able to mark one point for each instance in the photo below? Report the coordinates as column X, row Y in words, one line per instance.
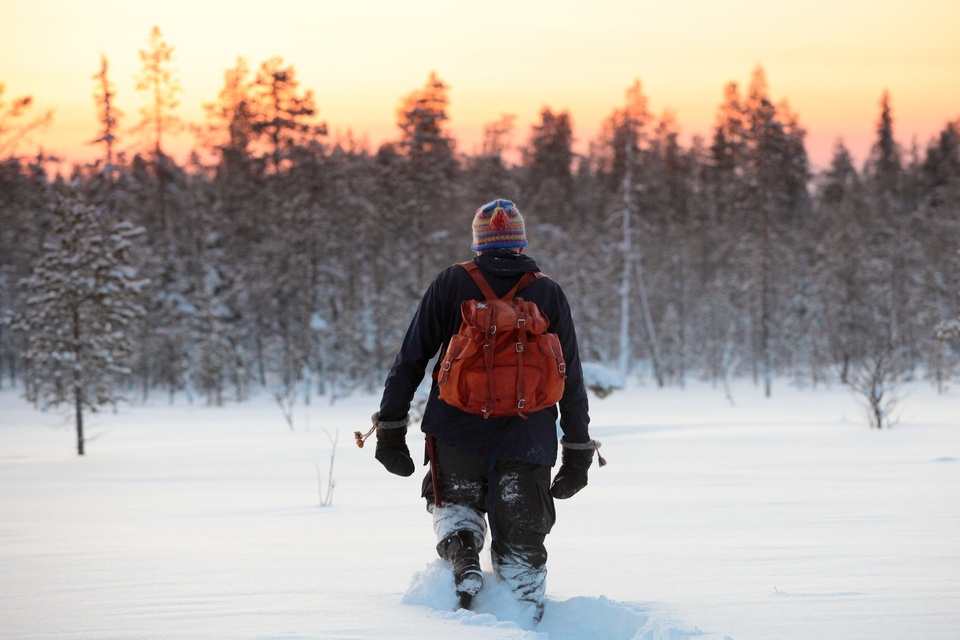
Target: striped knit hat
column 498, row 225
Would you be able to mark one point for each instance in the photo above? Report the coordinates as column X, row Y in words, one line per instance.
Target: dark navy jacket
column 438, row 318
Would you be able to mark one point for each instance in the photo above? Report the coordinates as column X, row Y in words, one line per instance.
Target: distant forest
column 279, row 258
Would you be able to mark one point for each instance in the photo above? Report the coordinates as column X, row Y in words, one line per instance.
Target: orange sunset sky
column 831, row 59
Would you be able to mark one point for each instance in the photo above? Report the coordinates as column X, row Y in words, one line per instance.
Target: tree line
column 279, row 257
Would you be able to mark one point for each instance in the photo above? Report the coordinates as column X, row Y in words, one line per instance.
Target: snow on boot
column 522, row 571
column 460, row 549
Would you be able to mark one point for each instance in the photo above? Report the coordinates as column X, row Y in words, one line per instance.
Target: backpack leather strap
column 489, row 349
column 521, row 347
column 485, row 288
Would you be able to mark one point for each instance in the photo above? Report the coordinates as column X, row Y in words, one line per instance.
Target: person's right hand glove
column 392, row 451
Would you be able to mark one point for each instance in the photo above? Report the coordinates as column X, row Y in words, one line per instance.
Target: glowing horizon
column 831, row 61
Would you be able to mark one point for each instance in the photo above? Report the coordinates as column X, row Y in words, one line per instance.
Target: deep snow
column 771, row 518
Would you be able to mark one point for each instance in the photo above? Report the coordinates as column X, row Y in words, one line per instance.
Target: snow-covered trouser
column 514, row 497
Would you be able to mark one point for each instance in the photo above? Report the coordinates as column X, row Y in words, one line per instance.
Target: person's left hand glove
column 392, row 451
column 572, row 475
column 575, row 459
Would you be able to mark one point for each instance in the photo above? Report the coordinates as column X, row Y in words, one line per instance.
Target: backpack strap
column 485, row 288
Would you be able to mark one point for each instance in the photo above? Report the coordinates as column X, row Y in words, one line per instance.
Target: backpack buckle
column 562, row 368
column 519, row 347
column 521, row 402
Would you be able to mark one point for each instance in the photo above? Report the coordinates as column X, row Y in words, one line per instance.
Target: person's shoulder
column 543, row 277
column 546, row 285
column 454, row 270
column 451, row 277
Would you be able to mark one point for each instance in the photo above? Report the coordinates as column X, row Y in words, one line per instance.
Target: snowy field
column 783, row 518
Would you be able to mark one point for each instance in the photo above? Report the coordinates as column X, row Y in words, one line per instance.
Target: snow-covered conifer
column 77, row 312
column 548, row 167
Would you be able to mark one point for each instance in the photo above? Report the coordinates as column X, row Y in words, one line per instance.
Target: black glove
column 572, row 475
column 392, row 451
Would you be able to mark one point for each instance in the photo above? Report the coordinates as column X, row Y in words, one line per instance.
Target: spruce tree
column 77, row 312
column 884, row 166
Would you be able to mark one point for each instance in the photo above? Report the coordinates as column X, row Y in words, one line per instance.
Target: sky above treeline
column 830, row 59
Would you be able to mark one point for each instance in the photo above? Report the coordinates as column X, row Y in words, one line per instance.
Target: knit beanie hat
column 498, row 225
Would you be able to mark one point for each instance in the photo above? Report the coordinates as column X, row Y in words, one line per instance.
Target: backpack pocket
column 460, row 347
column 553, row 373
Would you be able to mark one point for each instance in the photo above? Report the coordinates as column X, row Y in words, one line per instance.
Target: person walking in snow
column 485, row 469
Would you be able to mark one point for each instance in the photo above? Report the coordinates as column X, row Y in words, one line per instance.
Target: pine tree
column 488, row 176
column 107, row 114
column 424, row 140
column 24, row 220
column 775, row 172
column 625, row 131
column 239, row 186
column 548, row 167
column 283, row 114
column 229, row 128
column 423, row 191
column 940, row 220
column 950, row 329
column 78, row 311
column 940, row 170
column 727, row 158
column 841, row 235
column 496, row 136
column 157, row 77
column 13, row 130
column 899, row 248
column 668, row 198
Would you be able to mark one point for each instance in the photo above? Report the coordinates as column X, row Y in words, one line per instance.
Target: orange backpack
column 502, row 362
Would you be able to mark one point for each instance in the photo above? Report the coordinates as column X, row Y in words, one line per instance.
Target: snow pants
column 513, row 496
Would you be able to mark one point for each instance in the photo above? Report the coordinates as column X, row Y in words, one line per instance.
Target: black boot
column 460, row 549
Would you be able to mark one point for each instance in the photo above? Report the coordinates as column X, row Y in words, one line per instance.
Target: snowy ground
column 784, row 518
